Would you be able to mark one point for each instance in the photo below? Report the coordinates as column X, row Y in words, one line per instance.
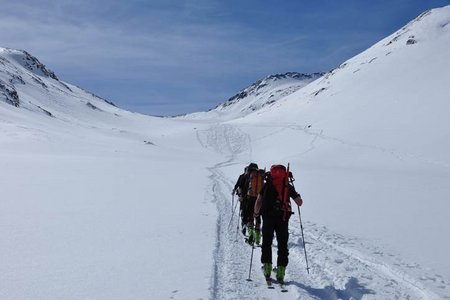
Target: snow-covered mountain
column 28, row 84
column 262, row 93
column 101, row 203
column 266, row 91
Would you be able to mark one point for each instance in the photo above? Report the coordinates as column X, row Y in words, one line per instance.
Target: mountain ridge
column 27, row 83
column 270, row 79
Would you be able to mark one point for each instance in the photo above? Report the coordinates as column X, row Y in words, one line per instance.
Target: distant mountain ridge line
column 17, row 63
column 260, row 84
column 270, row 82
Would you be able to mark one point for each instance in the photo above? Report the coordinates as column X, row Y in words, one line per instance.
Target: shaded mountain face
column 29, row 62
column 17, row 67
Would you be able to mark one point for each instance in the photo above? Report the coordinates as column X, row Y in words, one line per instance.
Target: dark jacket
column 242, row 185
column 271, row 205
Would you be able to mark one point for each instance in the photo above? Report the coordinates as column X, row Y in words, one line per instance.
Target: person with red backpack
column 274, row 206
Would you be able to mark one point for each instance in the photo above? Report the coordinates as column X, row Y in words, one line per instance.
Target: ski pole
column 301, row 228
column 251, row 261
column 303, row 238
column 237, row 226
column 232, row 201
column 232, row 214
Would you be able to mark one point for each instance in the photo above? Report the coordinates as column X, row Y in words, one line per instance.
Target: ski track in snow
column 398, row 155
column 340, row 267
column 319, row 134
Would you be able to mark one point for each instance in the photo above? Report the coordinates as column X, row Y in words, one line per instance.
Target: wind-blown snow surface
column 106, row 204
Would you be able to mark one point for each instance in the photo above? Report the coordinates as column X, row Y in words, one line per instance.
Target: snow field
column 114, row 221
column 342, row 266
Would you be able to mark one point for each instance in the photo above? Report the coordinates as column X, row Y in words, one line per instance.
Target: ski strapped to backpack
column 280, row 180
column 256, row 181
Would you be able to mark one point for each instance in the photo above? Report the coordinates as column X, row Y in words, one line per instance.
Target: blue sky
column 167, row 57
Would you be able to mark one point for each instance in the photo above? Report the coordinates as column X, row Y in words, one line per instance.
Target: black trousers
column 243, row 209
column 250, row 209
column 280, row 227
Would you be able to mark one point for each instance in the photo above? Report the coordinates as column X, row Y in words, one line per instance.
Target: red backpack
column 280, row 180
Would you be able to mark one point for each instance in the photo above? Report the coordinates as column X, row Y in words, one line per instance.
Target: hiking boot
column 258, row 237
column 280, row 273
column 267, row 269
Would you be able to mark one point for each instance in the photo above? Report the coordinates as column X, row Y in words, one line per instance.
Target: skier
column 239, row 184
column 255, row 180
column 240, row 189
column 274, row 206
column 246, row 212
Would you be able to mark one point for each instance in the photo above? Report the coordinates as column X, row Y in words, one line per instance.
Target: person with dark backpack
column 240, row 184
column 240, row 189
column 274, row 205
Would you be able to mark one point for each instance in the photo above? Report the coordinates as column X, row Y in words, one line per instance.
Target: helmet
column 252, row 166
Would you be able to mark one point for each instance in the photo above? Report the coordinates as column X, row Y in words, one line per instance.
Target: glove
column 298, row 200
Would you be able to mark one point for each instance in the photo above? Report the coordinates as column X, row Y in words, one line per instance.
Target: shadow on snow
column 353, row 290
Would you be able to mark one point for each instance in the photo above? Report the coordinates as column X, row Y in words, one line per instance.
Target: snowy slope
column 107, row 204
